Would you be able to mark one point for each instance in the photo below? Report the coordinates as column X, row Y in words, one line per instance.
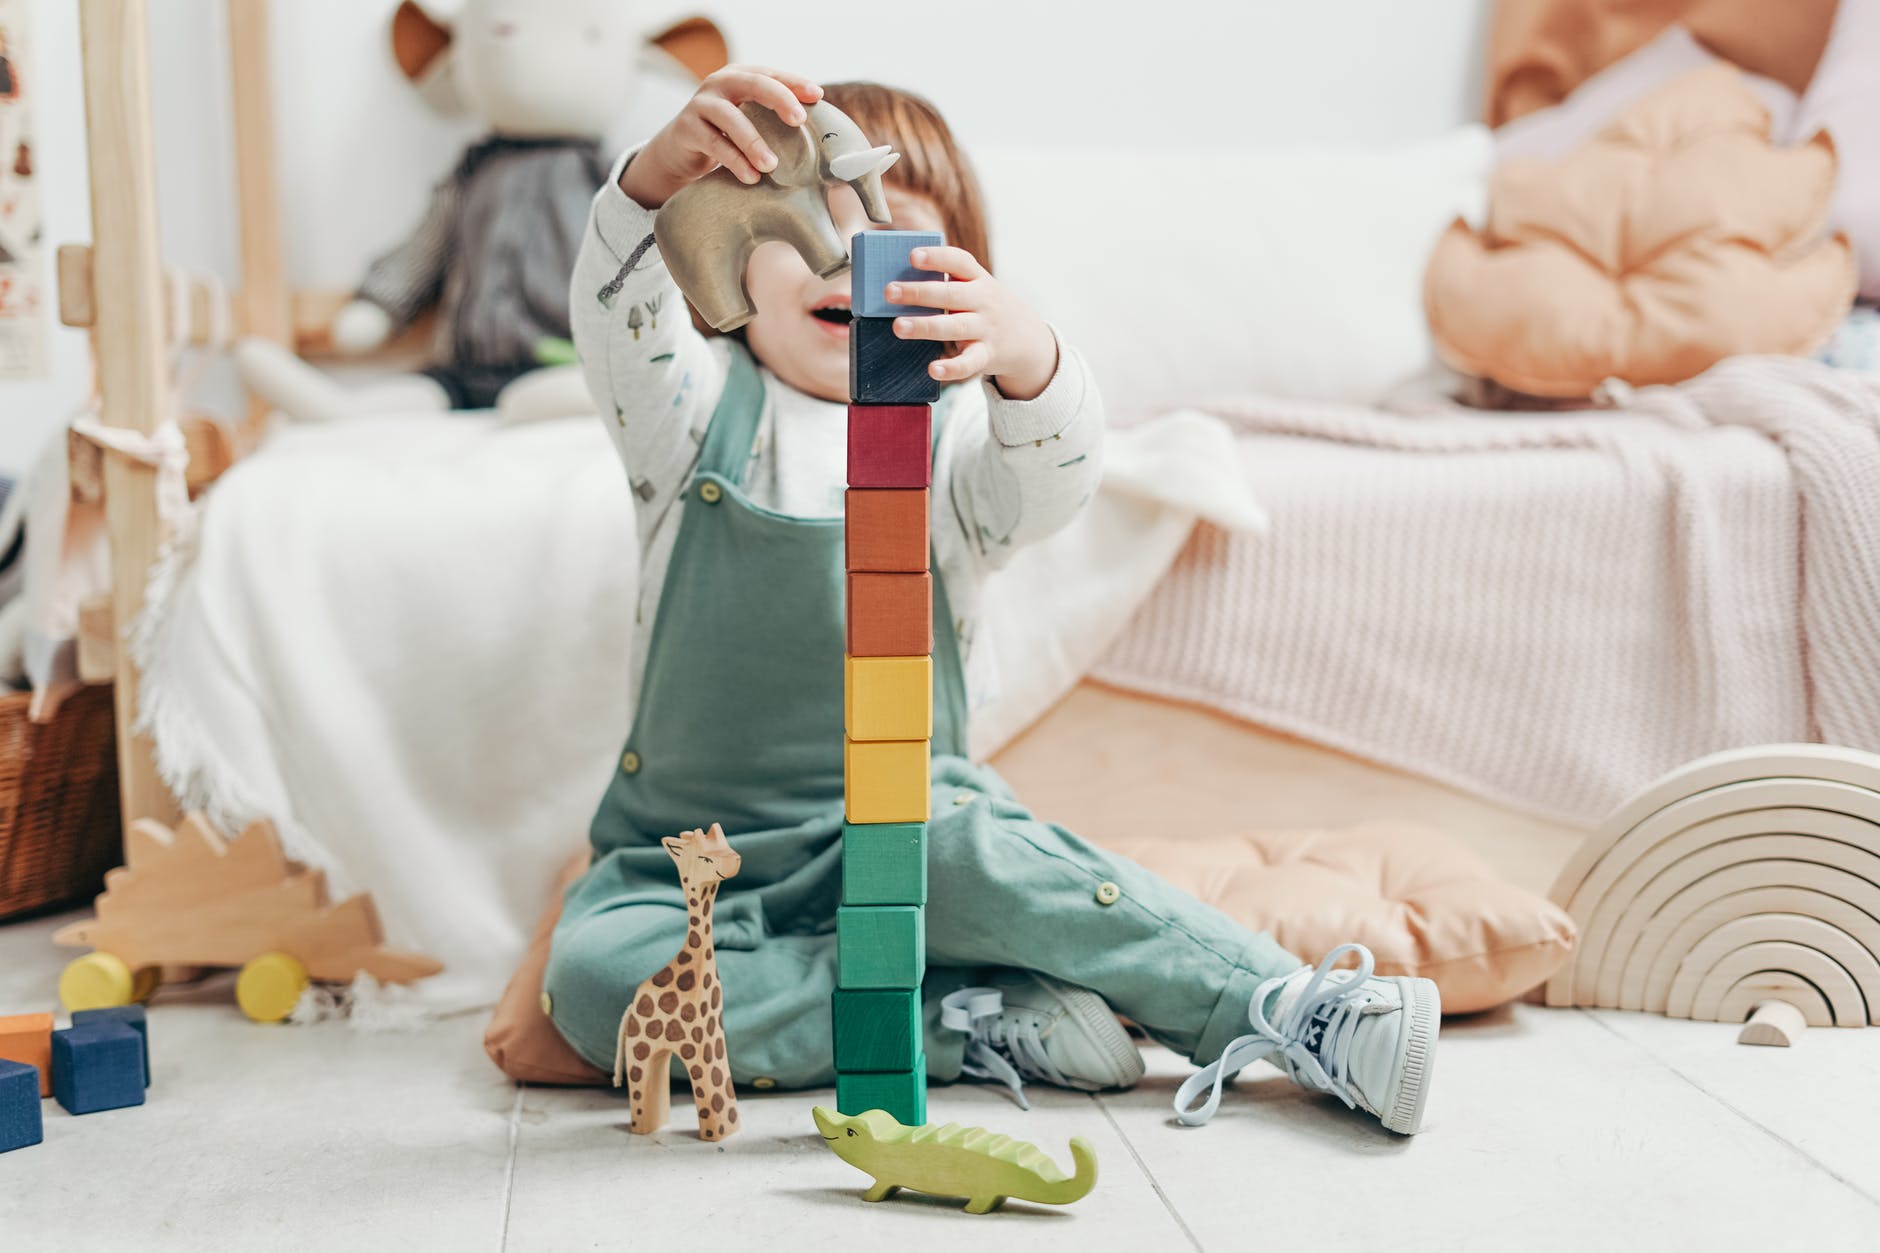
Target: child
column 734, row 449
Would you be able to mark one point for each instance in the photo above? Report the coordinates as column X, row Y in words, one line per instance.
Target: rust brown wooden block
column 890, row 615
column 887, row 530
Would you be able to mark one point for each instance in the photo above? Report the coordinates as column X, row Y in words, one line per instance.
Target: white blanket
column 1550, row 610
column 405, row 640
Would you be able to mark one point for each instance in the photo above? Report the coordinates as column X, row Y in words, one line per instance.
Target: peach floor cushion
column 1423, row 903
column 1677, row 236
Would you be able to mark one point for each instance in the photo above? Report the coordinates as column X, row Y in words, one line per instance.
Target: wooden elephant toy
column 707, row 231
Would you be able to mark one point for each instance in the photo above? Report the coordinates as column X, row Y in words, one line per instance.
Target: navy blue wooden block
column 131, row 1016
column 885, row 369
column 97, row 1067
column 20, row 1120
column 878, row 258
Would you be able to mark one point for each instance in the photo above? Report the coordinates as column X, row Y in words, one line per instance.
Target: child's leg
column 1005, row 889
column 776, row 989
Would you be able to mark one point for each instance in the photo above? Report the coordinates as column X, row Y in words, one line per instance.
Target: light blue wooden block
column 878, row 258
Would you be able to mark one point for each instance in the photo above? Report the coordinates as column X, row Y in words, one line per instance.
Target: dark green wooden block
column 876, row 1030
column 884, row 863
column 880, row 946
column 903, row 1094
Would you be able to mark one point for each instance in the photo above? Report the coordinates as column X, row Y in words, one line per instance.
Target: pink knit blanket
column 1548, row 610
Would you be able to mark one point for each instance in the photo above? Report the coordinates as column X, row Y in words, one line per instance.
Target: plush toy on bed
column 495, row 250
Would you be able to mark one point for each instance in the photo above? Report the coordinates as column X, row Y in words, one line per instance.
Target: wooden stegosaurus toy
column 189, row 898
column 980, row 1165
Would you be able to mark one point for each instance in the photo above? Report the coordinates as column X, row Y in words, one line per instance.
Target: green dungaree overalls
column 740, row 722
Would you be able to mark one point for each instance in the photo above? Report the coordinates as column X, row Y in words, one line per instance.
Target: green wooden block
column 903, row 1094
column 884, row 863
column 880, row 946
column 877, row 1031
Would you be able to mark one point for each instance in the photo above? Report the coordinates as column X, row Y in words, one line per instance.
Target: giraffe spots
column 644, row 1005
column 633, row 1026
column 697, row 1072
column 692, row 941
column 718, row 1102
column 685, row 955
column 674, row 1031
column 686, row 980
column 640, row 1051
column 686, row 1051
column 698, row 1033
column 664, row 977
column 718, row 1077
column 705, row 1133
column 634, row 1074
column 688, row 1011
column 668, row 1001
column 731, row 1115
column 715, row 997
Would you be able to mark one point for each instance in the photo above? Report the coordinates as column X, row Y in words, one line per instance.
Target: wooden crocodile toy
column 972, row 1162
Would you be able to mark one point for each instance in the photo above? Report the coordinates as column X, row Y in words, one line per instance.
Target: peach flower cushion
column 1424, row 905
column 1677, row 236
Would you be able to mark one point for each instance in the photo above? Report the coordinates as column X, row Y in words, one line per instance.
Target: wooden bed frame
column 138, row 312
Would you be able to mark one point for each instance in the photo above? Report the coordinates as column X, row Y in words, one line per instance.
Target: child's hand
column 998, row 334
column 711, row 131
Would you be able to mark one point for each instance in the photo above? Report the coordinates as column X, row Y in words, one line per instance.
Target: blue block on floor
column 20, row 1121
column 97, row 1067
column 877, row 258
column 131, row 1016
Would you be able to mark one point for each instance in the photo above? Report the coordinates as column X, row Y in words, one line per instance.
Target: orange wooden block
column 28, row 1038
column 890, row 615
column 887, row 530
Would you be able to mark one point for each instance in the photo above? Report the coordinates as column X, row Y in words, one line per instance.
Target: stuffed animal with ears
column 495, row 250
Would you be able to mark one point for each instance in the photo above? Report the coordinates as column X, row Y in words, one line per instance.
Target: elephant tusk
column 853, row 165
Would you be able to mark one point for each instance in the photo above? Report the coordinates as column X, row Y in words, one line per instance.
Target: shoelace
column 1319, row 1059
column 1001, row 1047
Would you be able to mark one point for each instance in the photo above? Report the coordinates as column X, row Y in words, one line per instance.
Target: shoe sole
column 1100, row 1024
column 1416, row 1055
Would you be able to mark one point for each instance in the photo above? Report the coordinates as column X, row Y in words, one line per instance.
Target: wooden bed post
column 129, row 341
column 264, row 306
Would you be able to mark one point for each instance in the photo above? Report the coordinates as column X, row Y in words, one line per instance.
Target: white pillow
column 1182, row 276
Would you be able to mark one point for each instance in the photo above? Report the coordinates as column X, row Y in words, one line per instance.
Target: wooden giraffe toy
column 679, row 1012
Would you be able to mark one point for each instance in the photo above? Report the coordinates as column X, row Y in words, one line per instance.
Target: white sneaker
column 1371, row 1042
column 1031, row 1026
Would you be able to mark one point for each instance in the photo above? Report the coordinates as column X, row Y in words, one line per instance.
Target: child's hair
column 932, row 163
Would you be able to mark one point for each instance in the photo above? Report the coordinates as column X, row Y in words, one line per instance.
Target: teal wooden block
column 876, row 1031
column 903, row 1094
column 878, row 258
column 884, row 863
column 880, row 946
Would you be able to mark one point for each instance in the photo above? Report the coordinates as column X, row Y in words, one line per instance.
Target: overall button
column 630, row 762
column 763, row 1083
column 710, row 492
column 1108, row 894
column 548, row 1003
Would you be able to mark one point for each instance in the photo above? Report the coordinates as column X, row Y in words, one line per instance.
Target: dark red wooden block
column 890, row 615
column 889, row 445
column 887, row 530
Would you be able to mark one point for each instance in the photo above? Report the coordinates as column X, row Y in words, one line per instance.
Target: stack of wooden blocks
column 888, row 692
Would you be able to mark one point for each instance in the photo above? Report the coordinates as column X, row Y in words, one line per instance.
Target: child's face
column 800, row 331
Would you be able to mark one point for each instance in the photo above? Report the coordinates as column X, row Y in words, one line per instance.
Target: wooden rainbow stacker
column 888, row 692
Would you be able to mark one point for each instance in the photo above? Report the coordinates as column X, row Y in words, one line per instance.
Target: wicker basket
column 59, row 829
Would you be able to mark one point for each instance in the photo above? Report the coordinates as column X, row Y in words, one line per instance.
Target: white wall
column 358, row 150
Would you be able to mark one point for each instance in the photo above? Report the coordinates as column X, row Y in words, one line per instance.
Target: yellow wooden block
column 885, row 780
column 888, row 698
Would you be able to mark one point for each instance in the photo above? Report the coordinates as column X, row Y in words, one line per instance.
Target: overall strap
column 733, row 426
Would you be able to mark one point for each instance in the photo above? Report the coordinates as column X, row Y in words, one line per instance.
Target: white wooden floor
column 1551, row 1130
